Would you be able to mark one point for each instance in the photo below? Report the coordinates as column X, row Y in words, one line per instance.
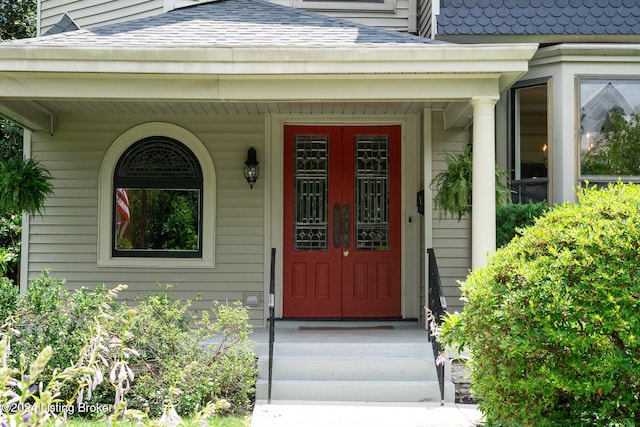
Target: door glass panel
column 372, row 193
column 311, row 198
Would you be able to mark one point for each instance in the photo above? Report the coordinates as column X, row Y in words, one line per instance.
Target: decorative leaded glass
column 311, row 193
column 158, row 157
column 157, row 205
column 372, row 193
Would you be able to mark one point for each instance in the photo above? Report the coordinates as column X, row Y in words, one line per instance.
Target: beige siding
column 88, row 13
column 397, row 19
column 64, row 239
column 451, row 239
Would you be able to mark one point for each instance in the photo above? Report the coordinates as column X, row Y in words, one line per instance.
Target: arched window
column 157, row 201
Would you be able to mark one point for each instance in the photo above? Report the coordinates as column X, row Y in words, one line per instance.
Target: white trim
column 39, row 18
column 105, row 194
column 508, row 60
column 267, row 173
column 26, row 222
column 410, row 165
column 427, row 174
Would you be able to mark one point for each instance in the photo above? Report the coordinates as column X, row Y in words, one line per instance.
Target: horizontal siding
column 451, row 239
column 397, row 19
column 64, row 239
column 89, row 13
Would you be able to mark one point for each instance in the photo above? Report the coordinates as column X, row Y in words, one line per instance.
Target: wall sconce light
column 251, row 169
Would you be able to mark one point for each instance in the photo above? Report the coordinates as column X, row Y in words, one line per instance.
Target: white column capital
column 487, row 98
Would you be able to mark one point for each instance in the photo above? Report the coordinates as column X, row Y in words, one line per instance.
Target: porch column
column 483, row 214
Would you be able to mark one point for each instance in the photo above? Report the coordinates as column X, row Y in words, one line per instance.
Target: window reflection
column 609, row 128
column 157, row 219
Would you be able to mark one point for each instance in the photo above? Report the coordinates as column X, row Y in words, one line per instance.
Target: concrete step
column 348, row 368
column 362, row 391
column 342, row 349
column 359, row 364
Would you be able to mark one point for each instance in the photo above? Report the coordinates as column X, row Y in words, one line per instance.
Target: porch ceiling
column 155, row 107
column 42, row 115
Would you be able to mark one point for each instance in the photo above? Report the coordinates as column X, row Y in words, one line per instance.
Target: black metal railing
column 437, row 306
column 272, row 320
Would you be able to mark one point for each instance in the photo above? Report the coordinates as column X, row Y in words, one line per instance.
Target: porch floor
column 336, row 331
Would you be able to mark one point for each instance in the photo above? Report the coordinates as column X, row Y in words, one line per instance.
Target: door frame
column 411, row 182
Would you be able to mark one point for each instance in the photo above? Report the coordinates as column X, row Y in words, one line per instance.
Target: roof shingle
column 229, row 23
column 539, row 17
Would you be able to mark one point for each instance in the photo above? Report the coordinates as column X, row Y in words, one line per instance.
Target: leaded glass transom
column 372, row 193
column 311, row 200
column 158, row 157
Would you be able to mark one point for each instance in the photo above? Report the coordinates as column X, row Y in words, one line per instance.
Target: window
column 529, row 144
column 157, row 200
column 609, row 129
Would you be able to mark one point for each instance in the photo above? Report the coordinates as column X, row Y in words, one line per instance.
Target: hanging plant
column 453, row 185
column 24, row 185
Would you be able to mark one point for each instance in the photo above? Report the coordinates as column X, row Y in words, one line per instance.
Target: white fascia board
column 155, row 87
column 587, row 52
column 265, row 60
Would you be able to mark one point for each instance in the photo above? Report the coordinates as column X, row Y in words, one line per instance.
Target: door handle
column 346, row 221
column 337, row 223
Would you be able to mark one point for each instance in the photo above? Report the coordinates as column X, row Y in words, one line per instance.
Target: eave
column 448, row 73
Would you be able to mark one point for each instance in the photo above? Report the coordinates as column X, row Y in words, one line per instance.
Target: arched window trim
column 106, row 192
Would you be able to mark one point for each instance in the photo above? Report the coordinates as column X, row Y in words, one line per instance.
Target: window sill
column 158, row 262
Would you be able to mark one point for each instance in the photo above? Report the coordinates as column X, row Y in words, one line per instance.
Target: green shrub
column 510, row 218
column 48, row 315
column 8, row 298
column 169, row 362
column 552, row 322
column 175, row 365
column 10, row 230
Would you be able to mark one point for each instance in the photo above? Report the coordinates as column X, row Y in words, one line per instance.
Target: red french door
column 342, row 237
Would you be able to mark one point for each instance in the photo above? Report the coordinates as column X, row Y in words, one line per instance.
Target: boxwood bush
column 552, row 322
column 512, row 217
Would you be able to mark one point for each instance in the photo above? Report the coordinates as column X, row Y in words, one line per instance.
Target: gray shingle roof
column 539, row 17
column 231, row 23
column 64, row 25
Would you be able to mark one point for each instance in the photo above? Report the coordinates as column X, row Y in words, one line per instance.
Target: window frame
column 597, row 179
column 513, row 140
column 106, row 195
column 158, row 183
